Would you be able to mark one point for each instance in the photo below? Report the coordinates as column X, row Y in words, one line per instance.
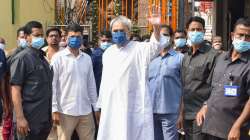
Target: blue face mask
column 241, row 45
column 165, row 41
column 22, row 43
column 74, row 42
column 105, row 45
column 181, row 42
column 119, row 38
column 37, row 42
column 196, row 37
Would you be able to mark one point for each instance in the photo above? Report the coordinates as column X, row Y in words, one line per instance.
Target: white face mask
column 165, row 41
column 62, row 44
column 2, row 46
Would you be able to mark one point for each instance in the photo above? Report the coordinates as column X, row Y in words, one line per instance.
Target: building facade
column 15, row 13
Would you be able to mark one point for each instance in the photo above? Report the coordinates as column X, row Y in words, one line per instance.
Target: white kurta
column 126, row 110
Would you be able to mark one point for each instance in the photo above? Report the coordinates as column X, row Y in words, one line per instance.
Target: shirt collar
column 37, row 51
column 171, row 52
column 67, row 52
column 203, row 48
column 245, row 56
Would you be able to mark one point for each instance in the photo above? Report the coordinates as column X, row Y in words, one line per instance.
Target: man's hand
column 234, row 133
column 22, row 126
column 56, row 118
column 201, row 115
column 180, row 122
column 154, row 18
column 97, row 117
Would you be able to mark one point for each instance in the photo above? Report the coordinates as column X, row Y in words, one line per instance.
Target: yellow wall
column 25, row 10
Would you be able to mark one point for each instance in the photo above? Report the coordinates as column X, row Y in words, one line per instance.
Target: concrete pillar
column 142, row 14
column 181, row 15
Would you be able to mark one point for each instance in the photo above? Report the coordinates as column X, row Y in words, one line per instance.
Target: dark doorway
column 227, row 13
column 236, row 9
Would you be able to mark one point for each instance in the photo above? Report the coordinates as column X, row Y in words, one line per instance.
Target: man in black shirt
column 228, row 108
column 31, row 87
column 197, row 67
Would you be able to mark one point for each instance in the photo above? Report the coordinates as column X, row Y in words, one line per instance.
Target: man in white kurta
column 126, row 109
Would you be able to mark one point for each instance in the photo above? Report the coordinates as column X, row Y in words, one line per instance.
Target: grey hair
column 121, row 19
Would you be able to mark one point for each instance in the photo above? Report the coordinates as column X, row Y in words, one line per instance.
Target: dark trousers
column 193, row 131
column 243, row 136
column 42, row 135
column 165, row 126
column 210, row 137
column 74, row 136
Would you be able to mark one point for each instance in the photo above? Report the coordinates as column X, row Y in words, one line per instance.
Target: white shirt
column 124, row 98
column 74, row 89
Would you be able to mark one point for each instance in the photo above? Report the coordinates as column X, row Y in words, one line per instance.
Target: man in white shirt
column 74, row 89
column 126, row 109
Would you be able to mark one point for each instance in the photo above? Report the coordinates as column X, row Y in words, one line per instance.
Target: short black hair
column 21, row 29
column 242, row 21
column 169, row 28
column 53, row 29
column 74, row 27
column 106, row 33
column 196, row 19
column 32, row 24
column 181, row 31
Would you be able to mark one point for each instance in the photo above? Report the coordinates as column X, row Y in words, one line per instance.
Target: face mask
column 37, row 42
column 189, row 44
column 241, row 45
column 74, row 42
column 165, row 41
column 181, row 42
column 105, row 45
column 2, row 46
column 196, row 37
column 119, row 38
column 62, row 44
column 22, row 43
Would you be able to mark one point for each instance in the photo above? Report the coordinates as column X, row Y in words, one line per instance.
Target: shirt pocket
column 170, row 70
column 237, row 80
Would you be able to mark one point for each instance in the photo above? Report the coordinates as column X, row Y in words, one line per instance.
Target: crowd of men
column 175, row 85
